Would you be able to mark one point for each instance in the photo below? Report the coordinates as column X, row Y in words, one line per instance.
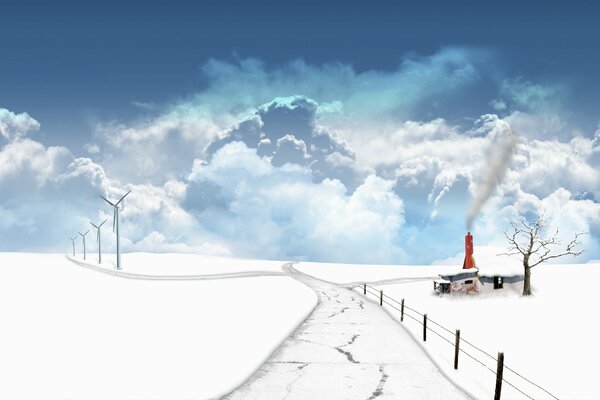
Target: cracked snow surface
column 346, row 349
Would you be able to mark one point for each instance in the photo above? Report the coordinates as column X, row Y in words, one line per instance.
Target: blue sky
column 371, row 123
column 90, row 60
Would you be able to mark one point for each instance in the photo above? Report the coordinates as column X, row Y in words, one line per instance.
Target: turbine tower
column 116, row 222
column 83, row 236
column 98, row 239
column 73, row 240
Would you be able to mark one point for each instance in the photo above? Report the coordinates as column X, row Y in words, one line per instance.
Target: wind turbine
column 116, row 222
column 73, row 240
column 98, row 239
column 83, row 236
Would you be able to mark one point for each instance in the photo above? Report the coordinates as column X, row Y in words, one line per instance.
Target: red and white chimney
column 469, row 261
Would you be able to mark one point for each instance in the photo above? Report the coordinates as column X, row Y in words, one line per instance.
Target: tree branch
column 513, row 240
column 526, row 239
column 566, row 253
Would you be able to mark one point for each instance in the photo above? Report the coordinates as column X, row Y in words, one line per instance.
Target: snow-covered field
column 550, row 338
column 182, row 264
column 69, row 332
column 73, row 333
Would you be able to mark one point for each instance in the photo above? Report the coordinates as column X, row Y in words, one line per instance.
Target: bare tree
column 527, row 240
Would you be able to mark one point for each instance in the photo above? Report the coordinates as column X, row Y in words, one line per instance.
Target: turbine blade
column 86, row 232
column 98, row 236
column 125, row 195
column 93, row 225
column 102, row 223
column 106, row 200
column 114, row 218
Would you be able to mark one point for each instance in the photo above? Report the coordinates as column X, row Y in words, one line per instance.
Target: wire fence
column 456, row 341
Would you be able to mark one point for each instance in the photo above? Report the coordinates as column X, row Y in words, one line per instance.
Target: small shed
column 461, row 281
column 500, row 271
column 499, row 279
column 441, row 285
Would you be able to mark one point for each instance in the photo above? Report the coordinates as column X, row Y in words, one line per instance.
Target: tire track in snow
column 131, row 275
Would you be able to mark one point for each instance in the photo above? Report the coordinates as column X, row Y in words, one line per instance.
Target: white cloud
column 158, row 147
column 564, row 213
column 91, row 148
column 543, row 166
column 26, row 165
column 528, row 95
column 498, row 105
column 290, row 149
column 45, row 193
column 83, row 171
column 157, row 242
column 543, row 126
column 319, row 162
column 340, row 160
column 14, row 126
column 281, row 212
column 392, row 144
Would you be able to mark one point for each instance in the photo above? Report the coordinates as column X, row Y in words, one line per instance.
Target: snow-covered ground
column 72, row 333
column 182, row 264
column 348, row 349
column 550, row 338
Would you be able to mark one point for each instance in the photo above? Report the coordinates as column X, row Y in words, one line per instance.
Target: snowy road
column 348, row 348
column 163, row 277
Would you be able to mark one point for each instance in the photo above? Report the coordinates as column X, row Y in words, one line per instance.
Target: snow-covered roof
column 460, row 271
column 460, row 275
column 491, row 262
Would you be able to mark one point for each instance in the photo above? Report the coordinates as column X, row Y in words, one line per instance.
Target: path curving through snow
column 348, row 348
column 182, row 277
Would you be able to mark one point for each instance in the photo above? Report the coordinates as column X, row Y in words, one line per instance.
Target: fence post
column 402, row 311
column 499, row 372
column 381, row 297
column 456, row 348
column 365, row 289
column 424, row 327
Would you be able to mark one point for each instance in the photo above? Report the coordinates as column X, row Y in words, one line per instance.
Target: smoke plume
column 498, row 160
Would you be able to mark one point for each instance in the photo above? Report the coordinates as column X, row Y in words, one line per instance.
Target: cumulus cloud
column 318, row 162
column 47, row 194
column 159, row 148
column 564, row 212
column 498, row 105
column 26, row 165
column 543, row 166
column 162, row 144
column 157, row 242
column 249, row 82
column 43, row 190
column 14, row 126
column 436, row 166
column 91, row 148
column 286, row 130
column 529, row 96
column 543, row 126
column 535, row 109
column 279, row 211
